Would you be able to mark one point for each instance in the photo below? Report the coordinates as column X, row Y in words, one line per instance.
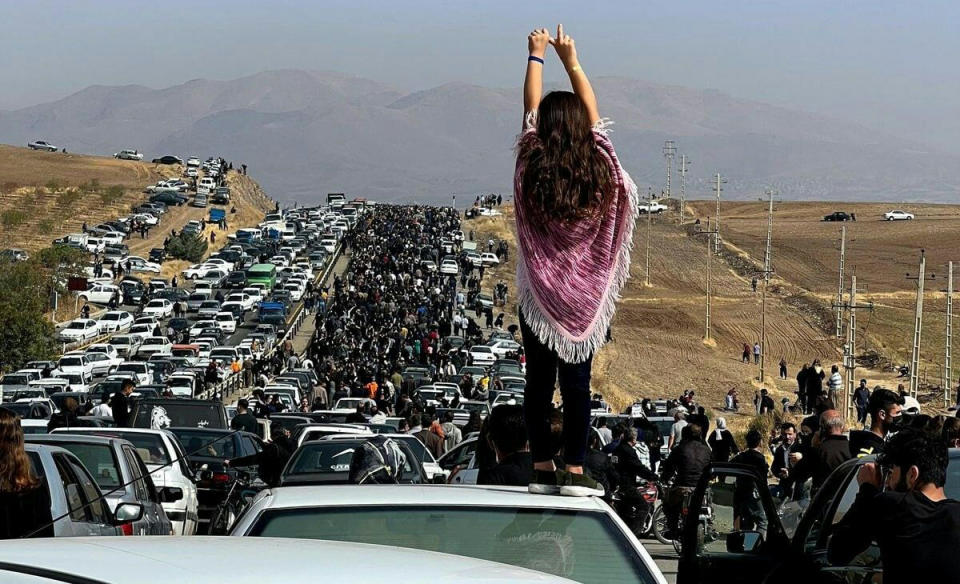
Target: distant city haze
column 427, row 101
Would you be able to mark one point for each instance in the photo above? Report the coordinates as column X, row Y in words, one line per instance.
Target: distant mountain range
column 305, row 133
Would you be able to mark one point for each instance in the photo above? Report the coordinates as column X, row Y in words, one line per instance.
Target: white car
column 459, row 517
column 482, row 355
column 114, row 321
column 295, row 290
column 197, row 271
column 139, row 369
column 193, row 161
column 489, row 259
column 138, row 264
column 449, row 267
column 245, row 300
column 199, row 325
column 221, row 263
column 42, row 145
column 160, row 307
column 100, row 293
column 652, row 207
column 129, row 155
column 81, row 329
column 125, row 344
column 898, row 215
column 226, row 322
column 102, row 364
column 154, row 346
column 148, row 560
column 141, row 331
column 157, row 448
column 502, row 347
column 76, row 363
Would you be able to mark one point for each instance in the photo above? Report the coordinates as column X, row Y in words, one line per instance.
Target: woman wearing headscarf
column 721, row 442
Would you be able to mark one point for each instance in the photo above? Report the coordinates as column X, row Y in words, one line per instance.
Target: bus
column 265, row 274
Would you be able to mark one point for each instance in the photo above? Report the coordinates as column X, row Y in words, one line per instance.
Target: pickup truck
column 651, row 207
column 274, row 313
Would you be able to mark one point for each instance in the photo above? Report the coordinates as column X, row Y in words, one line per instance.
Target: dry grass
column 659, row 349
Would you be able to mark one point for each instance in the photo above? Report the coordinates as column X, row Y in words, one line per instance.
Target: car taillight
column 126, row 528
column 220, row 477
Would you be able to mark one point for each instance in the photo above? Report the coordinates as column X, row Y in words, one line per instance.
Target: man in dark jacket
column 244, row 420
column 748, row 510
column 802, row 388
column 507, row 435
column 787, row 444
column 433, row 442
column 271, row 460
column 831, row 451
column 885, row 408
column 627, row 461
column 120, row 404
column 686, row 464
column 814, row 384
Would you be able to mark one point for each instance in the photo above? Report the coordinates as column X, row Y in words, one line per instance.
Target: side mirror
column 128, row 513
column 740, row 542
column 170, row 494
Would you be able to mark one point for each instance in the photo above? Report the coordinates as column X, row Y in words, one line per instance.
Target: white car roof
column 161, row 560
column 419, row 495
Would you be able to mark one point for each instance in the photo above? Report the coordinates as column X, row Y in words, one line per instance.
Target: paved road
column 665, row 558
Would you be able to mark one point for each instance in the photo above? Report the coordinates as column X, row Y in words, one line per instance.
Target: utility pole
column 843, row 250
column 684, row 161
column 710, row 234
column 669, row 150
column 948, row 359
column 918, row 325
column 646, row 281
column 767, row 270
column 850, row 348
column 718, row 188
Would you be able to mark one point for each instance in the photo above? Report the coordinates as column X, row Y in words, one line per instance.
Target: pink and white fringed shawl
column 570, row 274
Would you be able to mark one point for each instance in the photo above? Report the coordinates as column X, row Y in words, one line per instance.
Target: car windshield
column 196, row 443
column 150, row 447
column 71, row 362
column 132, row 367
column 77, row 325
column 14, row 379
column 585, row 546
column 322, row 458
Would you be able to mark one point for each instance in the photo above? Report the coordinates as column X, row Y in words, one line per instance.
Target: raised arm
column 533, row 82
column 567, row 52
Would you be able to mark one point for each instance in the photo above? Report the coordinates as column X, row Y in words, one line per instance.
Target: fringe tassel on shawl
column 579, row 351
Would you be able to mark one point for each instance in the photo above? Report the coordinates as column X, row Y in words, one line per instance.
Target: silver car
column 121, row 475
column 75, row 501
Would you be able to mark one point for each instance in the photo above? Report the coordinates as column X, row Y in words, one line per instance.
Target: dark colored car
column 173, row 295
column 28, row 411
column 236, row 280
column 158, row 254
column 168, row 198
column 168, row 160
column 205, row 446
column 796, row 542
column 184, row 413
column 837, row 216
column 327, row 462
column 179, row 324
column 132, row 291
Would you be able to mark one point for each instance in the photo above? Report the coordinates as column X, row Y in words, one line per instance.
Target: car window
column 584, row 546
column 96, row 505
column 100, row 461
column 460, row 456
column 136, row 467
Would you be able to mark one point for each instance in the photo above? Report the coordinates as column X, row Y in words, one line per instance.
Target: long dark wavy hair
column 15, row 473
column 565, row 177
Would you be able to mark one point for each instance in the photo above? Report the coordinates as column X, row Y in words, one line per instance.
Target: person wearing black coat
column 120, row 404
column 721, row 442
column 271, row 460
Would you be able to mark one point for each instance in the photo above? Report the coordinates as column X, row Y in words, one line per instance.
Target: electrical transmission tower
column 843, row 251
column 767, row 270
column 710, row 235
column 718, row 188
column 684, row 161
column 669, row 151
column 850, row 348
column 918, row 324
column 948, row 358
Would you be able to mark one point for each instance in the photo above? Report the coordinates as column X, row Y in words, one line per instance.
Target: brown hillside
column 658, row 348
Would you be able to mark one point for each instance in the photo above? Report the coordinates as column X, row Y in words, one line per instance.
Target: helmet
column 377, row 461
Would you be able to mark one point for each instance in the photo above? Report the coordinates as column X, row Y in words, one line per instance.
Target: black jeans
column 543, row 369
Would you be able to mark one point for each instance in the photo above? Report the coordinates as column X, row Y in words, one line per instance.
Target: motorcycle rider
column 685, row 465
column 630, row 470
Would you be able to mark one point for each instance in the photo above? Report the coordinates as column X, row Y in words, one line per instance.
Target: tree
column 187, row 246
column 25, row 333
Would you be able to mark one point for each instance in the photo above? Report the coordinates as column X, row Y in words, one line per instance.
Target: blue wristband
column 535, row 58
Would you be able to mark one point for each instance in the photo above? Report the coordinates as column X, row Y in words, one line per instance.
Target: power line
column 710, row 234
column 718, row 188
column 767, row 270
column 918, row 324
column 843, row 251
column 669, row 151
column 849, row 349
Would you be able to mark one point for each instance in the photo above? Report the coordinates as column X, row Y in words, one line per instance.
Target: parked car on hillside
column 898, row 215
column 168, row 160
column 42, row 145
column 129, row 155
column 838, row 216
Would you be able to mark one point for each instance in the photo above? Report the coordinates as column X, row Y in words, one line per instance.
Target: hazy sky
column 889, row 65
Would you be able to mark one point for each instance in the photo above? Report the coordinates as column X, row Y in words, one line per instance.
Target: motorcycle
column 638, row 506
column 706, row 532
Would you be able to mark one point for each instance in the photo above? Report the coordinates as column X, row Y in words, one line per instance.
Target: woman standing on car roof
column 575, row 209
column 24, row 499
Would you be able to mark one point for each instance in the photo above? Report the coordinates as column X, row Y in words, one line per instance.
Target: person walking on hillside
column 756, row 353
column 721, row 442
column 575, row 212
column 745, row 358
column 783, row 368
